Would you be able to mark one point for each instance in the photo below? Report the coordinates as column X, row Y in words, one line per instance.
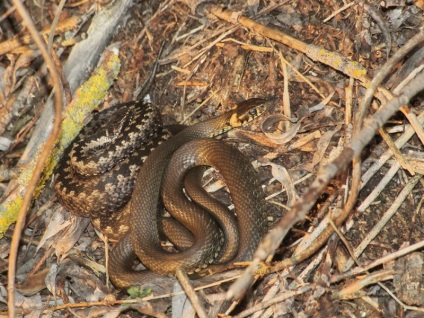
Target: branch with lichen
column 86, row 99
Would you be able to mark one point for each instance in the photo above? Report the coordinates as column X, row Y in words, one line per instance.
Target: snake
column 144, row 241
column 97, row 172
column 97, row 189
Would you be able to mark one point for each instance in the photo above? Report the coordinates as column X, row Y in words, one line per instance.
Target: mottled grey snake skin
column 96, row 175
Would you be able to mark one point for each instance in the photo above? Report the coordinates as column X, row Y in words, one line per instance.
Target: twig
column 279, row 298
column 191, row 294
column 402, row 140
column 273, row 239
column 15, row 43
column 379, row 188
column 352, row 289
column 345, row 7
column 405, row 307
column 382, row 25
column 384, row 71
column 295, row 70
column 135, row 301
column 396, row 152
column 380, row 162
column 378, row 262
column 345, row 242
column 86, row 98
column 48, row 146
column 7, row 13
column 54, row 25
column 386, row 217
column 334, row 59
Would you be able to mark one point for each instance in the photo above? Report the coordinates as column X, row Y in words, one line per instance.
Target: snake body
column 142, row 217
column 239, row 177
column 144, row 240
column 97, row 173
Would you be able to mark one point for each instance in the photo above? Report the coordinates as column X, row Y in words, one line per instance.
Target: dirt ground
column 316, row 59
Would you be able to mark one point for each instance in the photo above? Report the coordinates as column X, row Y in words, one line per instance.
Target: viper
column 167, row 170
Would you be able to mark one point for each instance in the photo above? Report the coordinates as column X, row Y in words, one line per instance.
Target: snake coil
column 102, row 192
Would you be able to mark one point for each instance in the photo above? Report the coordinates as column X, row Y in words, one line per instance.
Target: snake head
column 248, row 110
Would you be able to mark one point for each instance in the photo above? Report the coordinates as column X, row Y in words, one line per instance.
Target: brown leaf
column 33, row 283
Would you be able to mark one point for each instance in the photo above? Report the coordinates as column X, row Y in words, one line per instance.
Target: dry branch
column 271, row 242
column 75, row 72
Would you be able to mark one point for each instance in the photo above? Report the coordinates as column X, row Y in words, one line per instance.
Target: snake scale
column 136, row 225
column 85, row 181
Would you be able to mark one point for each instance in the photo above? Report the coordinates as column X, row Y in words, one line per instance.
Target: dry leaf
column 70, row 236
column 304, row 140
column 281, row 175
column 279, row 138
column 321, row 149
column 33, row 283
column 55, row 225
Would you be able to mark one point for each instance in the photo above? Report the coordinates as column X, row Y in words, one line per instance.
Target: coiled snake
column 163, row 166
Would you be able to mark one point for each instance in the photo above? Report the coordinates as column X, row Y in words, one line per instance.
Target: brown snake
column 191, row 150
column 79, row 195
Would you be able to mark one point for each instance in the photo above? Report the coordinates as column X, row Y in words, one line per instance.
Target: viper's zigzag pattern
column 97, row 173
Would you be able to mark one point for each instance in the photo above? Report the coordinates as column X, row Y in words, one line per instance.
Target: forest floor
column 354, row 235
